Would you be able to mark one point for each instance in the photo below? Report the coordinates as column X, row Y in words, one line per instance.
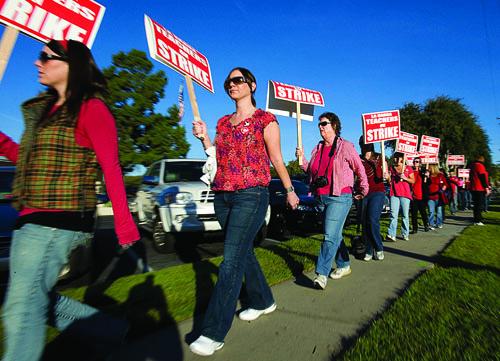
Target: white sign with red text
column 429, row 145
column 407, row 143
column 54, row 19
column 455, row 159
column 463, row 173
column 172, row 51
column 429, row 158
column 381, row 126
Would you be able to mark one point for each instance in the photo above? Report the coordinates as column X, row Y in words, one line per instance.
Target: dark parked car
column 79, row 261
column 8, row 215
column 284, row 219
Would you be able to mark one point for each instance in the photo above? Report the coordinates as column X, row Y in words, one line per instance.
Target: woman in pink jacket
column 334, row 161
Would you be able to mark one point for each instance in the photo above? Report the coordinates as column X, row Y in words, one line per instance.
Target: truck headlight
column 180, row 198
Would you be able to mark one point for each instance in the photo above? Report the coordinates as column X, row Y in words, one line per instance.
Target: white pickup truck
column 173, row 201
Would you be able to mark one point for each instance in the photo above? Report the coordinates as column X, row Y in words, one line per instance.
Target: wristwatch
column 289, row 189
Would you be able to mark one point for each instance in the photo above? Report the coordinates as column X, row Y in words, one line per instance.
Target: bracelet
column 289, row 189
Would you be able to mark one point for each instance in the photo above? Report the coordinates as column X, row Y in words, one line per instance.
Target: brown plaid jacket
column 53, row 171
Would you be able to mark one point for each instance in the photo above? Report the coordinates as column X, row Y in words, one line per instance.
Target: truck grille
column 206, row 196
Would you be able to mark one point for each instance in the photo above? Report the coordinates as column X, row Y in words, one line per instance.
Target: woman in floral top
column 245, row 142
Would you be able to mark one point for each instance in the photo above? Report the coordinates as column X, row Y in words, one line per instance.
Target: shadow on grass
column 295, row 267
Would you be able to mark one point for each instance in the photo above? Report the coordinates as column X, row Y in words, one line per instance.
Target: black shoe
column 426, row 229
column 413, row 232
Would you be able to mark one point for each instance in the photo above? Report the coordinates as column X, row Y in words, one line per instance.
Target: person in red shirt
column 419, row 201
column 479, row 188
column 69, row 131
column 437, row 186
column 245, row 142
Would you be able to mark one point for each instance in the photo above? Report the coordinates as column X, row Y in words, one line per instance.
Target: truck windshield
column 183, row 171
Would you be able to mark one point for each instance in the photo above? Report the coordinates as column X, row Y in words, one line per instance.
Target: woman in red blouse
column 245, row 142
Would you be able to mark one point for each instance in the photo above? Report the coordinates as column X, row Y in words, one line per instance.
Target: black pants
column 415, row 207
column 478, row 201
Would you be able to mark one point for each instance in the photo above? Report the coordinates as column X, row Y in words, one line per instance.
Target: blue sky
column 363, row 56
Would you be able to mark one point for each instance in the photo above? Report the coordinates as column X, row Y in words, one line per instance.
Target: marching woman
column 334, row 162
column 69, row 133
column 401, row 178
column 245, row 142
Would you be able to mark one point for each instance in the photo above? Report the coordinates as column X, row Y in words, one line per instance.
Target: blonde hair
column 434, row 169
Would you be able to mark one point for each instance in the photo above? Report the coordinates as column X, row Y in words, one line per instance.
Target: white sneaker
column 368, row 257
column 390, row 238
column 479, row 224
column 340, row 272
column 251, row 314
column 440, row 226
column 205, row 346
column 405, row 238
column 380, row 255
column 320, row 281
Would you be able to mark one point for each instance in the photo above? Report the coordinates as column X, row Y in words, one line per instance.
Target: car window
column 6, row 179
column 183, row 171
column 154, row 171
column 300, row 188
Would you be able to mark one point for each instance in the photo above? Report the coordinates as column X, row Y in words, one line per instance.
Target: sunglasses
column 237, row 80
column 44, row 57
column 323, row 124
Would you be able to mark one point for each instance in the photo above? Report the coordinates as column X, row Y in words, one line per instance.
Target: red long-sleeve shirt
column 96, row 129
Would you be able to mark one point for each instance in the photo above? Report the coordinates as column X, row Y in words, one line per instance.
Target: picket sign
column 167, row 48
column 379, row 127
column 44, row 20
column 280, row 100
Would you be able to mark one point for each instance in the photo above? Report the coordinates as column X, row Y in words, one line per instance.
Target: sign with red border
column 463, row 173
column 167, row 48
column 455, row 159
column 429, row 145
column 407, row 143
column 54, row 19
column 381, row 126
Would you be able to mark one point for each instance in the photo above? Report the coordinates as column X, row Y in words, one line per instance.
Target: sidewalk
column 310, row 324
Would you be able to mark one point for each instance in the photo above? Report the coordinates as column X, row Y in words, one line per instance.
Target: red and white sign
column 429, row 145
column 170, row 50
column 297, row 94
column 463, row 173
column 381, row 126
column 54, row 19
column 407, row 143
column 455, row 159
column 429, row 158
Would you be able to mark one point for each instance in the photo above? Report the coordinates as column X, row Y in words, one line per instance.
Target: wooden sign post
column 285, row 100
column 6, row 45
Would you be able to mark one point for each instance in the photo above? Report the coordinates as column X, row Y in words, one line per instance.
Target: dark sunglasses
column 237, row 80
column 44, row 57
column 323, row 124
column 416, row 161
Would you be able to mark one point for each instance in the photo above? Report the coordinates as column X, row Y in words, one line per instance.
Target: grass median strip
column 451, row 312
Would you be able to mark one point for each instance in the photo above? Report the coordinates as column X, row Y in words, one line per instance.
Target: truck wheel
column 163, row 242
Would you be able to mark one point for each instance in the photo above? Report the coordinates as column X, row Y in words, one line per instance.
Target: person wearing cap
column 69, row 133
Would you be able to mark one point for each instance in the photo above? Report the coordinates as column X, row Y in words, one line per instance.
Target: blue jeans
column 37, row 255
column 241, row 214
column 396, row 203
column 335, row 211
column 435, row 213
column 372, row 209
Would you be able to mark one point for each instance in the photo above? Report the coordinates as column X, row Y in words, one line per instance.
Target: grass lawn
column 451, row 312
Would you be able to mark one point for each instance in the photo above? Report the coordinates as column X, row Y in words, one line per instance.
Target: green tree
column 134, row 90
column 449, row 120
